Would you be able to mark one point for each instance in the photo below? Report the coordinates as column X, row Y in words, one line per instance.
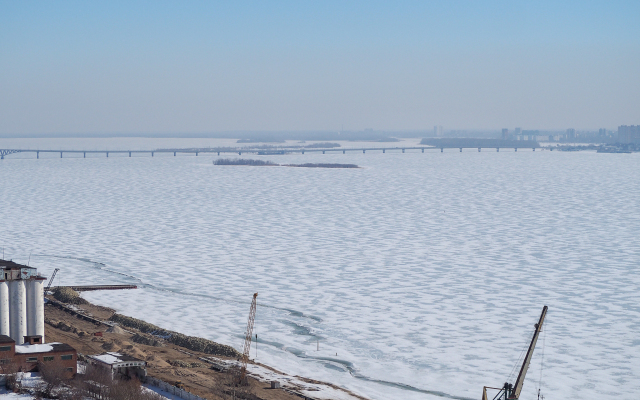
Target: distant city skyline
column 161, row 67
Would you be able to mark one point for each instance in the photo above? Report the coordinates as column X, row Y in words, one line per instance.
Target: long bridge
column 255, row 150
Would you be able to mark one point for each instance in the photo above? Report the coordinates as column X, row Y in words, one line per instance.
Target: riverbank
column 199, row 364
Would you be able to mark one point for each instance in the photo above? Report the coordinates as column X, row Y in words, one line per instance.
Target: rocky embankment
column 188, row 342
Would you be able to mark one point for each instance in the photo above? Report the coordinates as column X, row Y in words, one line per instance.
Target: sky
column 138, row 67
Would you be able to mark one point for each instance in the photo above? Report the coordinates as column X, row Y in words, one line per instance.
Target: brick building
column 25, row 357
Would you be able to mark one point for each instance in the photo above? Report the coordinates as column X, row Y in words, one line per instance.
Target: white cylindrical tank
column 35, row 307
column 4, row 308
column 18, row 310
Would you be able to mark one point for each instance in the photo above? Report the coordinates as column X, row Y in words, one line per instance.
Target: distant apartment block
column 437, row 130
column 629, row 134
column 571, row 134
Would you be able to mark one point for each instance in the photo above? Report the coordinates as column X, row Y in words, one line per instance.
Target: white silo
column 4, row 308
column 18, row 310
column 35, row 307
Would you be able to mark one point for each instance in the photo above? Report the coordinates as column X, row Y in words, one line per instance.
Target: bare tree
column 53, row 376
column 11, row 372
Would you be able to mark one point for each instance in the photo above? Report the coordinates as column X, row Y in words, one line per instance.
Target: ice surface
column 418, row 276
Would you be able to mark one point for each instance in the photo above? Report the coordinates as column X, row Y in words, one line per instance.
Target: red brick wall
column 21, row 360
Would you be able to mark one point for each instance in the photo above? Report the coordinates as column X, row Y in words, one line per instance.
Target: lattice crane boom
column 512, row 392
column 247, row 339
column 55, row 271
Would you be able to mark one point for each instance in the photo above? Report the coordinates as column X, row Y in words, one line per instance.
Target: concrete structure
column 119, row 364
column 17, row 310
column 21, row 301
column 27, row 357
column 629, row 134
column 4, row 308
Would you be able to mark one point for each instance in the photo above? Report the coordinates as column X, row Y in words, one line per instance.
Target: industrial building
column 26, row 357
column 21, row 301
column 120, row 365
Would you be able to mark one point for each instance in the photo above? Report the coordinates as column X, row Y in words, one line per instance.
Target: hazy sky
column 189, row 66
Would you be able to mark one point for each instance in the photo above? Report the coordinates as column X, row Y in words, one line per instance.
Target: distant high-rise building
column 602, row 132
column 629, row 134
column 571, row 133
column 437, row 130
column 505, row 134
column 518, row 131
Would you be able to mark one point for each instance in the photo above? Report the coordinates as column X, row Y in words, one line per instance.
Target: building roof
column 6, row 339
column 112, row 358
column 10, row 264
column 43, row 348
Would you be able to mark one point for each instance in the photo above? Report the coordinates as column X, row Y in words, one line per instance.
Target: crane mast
column 512, row 392
column 247, row 341
column 55, row 271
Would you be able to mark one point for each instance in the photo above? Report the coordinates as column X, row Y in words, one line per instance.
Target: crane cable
column 544, row 338
column 518, row 362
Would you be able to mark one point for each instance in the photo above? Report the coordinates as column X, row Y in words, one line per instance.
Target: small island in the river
column 262, row 163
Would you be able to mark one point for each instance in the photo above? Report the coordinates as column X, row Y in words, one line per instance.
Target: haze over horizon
column 169, row 67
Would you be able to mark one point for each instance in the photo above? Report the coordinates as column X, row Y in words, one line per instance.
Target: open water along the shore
column 416, row 276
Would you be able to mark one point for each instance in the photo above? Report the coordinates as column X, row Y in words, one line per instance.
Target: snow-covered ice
column 417, row 276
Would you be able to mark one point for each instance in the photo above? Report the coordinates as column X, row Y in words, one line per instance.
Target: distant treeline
column 242, row 161
column 261, row 163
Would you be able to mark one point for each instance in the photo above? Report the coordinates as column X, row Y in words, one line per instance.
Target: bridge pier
column 403, row 150
column 37, row 154
column 441, row 149
column 107, row 154
column 84, row 154
column 383, row 151
column 60, row 154
column 129, row 154
column 516, row 149
column 344, row 152
column 498, row 149
column 534, row 149
column 174, row 153
column 302, row 151
column 423, row 150
column 322, row 151
column 152, row 154
column 460, row 149
column 478, row 149
column 239, row 153
column 219, row 153
column 363, row 151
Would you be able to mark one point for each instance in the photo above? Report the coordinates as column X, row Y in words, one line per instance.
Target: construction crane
column 242, row 376
column 512, row 392
column 55, row 271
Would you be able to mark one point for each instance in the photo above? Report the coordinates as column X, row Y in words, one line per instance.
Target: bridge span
column 248, row 150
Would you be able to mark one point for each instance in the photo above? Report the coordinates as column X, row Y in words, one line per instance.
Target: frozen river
column 418, row 275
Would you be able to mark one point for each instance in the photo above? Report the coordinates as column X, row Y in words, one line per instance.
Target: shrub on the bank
column 184, row 364
column 188, row 342
column 68, row 295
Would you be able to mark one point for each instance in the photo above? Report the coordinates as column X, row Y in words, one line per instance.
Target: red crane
column 247, row 341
